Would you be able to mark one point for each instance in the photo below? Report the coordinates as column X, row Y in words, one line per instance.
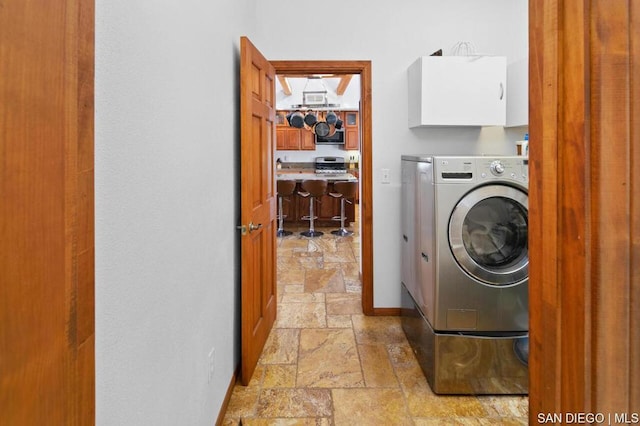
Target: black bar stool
column 314, row 188
column 345, row 191
column 285, row 189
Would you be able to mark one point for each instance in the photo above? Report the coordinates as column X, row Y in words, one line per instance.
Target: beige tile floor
column 325, row 363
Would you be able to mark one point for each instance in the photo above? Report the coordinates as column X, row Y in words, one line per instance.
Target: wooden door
column 258, row 204
column 46, row 212
column 584, row 205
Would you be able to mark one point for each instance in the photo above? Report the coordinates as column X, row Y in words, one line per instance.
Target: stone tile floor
column 325, row 363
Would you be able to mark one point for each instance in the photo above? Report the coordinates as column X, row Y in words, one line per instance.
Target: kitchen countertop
column 305, row 176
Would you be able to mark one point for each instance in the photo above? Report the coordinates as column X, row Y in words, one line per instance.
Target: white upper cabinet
column 458, row 91
column 518, row 97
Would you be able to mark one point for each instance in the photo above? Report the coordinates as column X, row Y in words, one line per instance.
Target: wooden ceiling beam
column 342, row 86
column 286, row 88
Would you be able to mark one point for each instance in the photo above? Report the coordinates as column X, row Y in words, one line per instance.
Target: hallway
column 325, row 363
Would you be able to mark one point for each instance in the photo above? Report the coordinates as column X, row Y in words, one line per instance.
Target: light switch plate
column 386, row 176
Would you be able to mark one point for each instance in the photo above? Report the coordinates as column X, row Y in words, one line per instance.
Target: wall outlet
column 386, row 176
column 212, row 364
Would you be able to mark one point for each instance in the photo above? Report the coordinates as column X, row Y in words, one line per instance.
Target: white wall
column 392, row 36
column 166, row 131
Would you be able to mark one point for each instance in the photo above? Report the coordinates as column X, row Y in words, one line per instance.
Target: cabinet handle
column 425, row 257
column 501, row 91
column 405, row 238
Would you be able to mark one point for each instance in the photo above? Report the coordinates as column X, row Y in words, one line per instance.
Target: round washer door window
column 488, row 233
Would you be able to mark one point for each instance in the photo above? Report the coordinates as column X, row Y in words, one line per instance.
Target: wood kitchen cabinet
column 291, row 138
column 351, row 123
column 288, row 138
column 307, row 140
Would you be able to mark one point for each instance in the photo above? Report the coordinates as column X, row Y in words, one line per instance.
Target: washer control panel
column 510, row 168
column 481, row 169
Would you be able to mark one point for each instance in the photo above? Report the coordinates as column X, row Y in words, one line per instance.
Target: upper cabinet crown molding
column 458, row 91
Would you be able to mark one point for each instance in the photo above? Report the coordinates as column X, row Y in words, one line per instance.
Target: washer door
column 488, row 234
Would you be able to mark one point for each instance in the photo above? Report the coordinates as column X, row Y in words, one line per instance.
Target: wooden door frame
column 584, row 204
column 47, row 212
column 363, row 68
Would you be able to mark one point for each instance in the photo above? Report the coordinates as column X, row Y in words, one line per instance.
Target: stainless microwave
column 336, row 139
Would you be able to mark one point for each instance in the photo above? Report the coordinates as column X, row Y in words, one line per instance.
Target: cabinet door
column 281, row 119
column 292, row 139
column 281, row 129
column 307, row 140
column 351, row 139
column 351, row 130
column 458, row 91
column 327, row 209
column 518, row 93
column 302, row 208
column 280, row 138
column 350, row 119
column 356, row 173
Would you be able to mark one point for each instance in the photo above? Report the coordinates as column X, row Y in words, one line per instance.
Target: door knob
column 244, row 229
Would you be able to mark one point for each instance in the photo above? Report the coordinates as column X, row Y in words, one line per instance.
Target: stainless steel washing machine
column 466, row 272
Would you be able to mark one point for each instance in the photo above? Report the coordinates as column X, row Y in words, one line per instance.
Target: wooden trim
column 366, row 193
column 386, row 312
column 85, row 216
column 46, row 213
column 634, row 212
column 584, row 227
column 363, row 68
column 544, row 392
column 612, row 176
column 227, row 396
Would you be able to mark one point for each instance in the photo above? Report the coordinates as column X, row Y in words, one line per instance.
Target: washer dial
column 497, row 168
